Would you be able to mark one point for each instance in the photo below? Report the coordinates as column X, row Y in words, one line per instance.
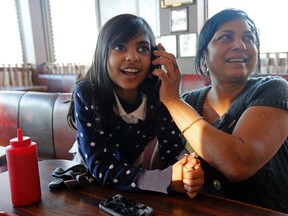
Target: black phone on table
column 119, row 205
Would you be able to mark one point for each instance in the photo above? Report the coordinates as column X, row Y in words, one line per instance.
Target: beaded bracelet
column 190, row 125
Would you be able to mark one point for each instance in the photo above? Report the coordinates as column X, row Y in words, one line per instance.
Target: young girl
column 117, row 113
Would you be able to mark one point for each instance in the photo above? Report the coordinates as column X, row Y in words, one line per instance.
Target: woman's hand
column 187, row 176
column 193, row 178
column 170, row 77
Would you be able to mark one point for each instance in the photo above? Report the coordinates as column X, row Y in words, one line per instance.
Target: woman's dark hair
column 117, row 30
column 212, row 25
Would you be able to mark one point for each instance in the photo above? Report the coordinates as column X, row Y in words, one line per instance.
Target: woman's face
column 232, row 52
column 128, row 64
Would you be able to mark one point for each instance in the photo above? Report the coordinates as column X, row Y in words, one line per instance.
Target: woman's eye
column 224, row 38
column 250, row 39
column 119, row 47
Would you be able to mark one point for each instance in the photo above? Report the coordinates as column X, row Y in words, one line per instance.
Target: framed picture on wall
column 169, row 42
column 187, row 44
column 179, row 19
column 175, row 3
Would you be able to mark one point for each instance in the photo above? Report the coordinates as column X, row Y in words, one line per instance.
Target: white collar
column 133, row 117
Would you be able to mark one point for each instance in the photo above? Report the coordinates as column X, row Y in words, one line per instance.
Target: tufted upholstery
column 41, row 116
column 9, row 115
column 63, row 134
column 57, row 82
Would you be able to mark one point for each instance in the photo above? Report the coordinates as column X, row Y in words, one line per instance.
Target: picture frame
column 179, row 19
column 169, row 42
column 187, row 44
column 175, row 3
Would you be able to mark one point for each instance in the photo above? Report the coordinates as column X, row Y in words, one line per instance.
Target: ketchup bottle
column 22, row 164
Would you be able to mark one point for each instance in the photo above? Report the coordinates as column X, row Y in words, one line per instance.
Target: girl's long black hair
column 118, row 29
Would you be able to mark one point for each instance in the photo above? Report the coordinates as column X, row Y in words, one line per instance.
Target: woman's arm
column 258, row 135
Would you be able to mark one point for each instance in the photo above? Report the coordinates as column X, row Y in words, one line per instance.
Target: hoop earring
column 207, row 71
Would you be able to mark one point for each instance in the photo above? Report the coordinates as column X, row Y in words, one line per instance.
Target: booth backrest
column 192, row 81
column 57, row 82
column 42, row 117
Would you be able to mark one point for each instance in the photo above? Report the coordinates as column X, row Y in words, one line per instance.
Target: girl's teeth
column 131, row 70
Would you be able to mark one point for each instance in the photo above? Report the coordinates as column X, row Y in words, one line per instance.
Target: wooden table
column 84, row 201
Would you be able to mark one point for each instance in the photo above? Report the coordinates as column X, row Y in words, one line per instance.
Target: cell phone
column 152, row 67
column 119, row 205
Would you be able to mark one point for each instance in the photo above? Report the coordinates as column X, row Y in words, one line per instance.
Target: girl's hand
column 169, row 75
column 177, row 175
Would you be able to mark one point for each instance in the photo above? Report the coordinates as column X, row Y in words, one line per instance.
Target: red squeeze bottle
column 22, row 164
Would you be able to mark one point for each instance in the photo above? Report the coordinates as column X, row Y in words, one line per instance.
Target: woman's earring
column 206, row 69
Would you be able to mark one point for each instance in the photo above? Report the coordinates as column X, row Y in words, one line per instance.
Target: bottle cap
column 20, row 141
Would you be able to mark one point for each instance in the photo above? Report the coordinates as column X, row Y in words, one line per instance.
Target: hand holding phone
column 119, row 205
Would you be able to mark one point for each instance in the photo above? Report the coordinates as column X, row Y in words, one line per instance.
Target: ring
column 189, row 169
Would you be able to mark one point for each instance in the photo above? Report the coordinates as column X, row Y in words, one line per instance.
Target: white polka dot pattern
column 110, row 147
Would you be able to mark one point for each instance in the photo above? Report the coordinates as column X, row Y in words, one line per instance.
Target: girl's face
column 232, row 52
column 128, row 64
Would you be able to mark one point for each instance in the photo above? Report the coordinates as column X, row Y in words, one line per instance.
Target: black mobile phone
column 119, row 205
column 152, row 58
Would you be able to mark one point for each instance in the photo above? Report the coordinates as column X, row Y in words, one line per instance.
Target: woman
column 117, row 112
column 238, row 124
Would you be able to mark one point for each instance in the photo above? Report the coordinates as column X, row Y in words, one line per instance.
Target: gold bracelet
column 190, row 125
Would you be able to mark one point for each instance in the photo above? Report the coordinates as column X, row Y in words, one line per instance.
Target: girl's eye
column 144, row 49
column 119, row 47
